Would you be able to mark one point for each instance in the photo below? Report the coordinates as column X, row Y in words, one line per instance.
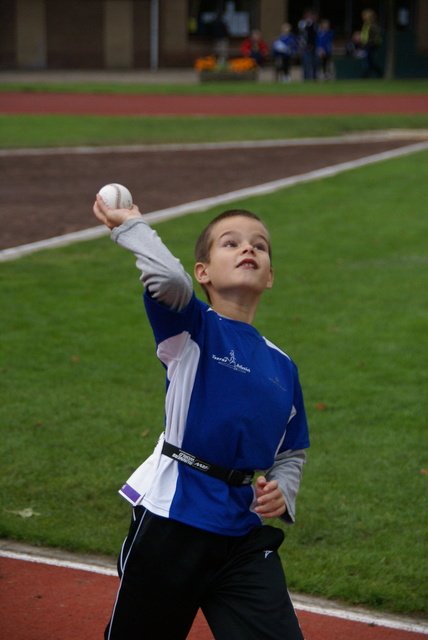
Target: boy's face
column 239, row 258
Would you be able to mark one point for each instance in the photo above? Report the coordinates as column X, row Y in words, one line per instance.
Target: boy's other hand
column 270, row 499
column 113, row 217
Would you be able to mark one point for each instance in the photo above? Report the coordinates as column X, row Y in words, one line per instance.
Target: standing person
column 354, row 46
column 371, row 39
column 284, row 49
column 233, row 406
column 255, row 47
column 220, row 35
column 324, row 49
column 308, row 28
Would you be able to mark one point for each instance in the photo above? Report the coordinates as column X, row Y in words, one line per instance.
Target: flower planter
column 206, row 75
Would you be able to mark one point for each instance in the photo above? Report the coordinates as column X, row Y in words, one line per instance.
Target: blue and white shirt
column 232, row 398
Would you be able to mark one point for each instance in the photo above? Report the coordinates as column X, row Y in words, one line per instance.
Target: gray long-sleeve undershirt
column 162, row 274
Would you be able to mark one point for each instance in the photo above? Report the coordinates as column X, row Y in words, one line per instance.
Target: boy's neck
column 235, row 310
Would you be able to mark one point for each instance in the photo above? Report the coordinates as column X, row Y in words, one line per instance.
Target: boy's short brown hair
column 205, row 240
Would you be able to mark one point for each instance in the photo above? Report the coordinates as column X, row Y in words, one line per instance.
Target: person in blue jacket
column 308, row 28
column 284, row 48
column 324, row 49
column 231, row 452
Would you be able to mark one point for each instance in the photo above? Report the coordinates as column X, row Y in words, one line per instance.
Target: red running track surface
column 47, row 602
column 175, row 105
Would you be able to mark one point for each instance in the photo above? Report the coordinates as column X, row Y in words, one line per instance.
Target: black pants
column 169, row 570
column 370, row 64
column 282, row 65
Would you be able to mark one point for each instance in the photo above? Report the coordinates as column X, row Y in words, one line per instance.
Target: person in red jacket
column 255, row 47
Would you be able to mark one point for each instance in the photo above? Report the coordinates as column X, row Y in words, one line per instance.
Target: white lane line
column 56, row 562
column 367, row 617
column 362, row 138
column 207, row 203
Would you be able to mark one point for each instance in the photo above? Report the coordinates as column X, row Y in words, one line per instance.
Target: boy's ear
column 269, row 283
column 201, row 273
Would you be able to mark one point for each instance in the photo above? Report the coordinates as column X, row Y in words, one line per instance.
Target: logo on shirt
column 230, row 361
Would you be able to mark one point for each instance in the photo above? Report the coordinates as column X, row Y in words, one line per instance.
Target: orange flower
column 242, row 65
column 209, row 62
column 236, row 65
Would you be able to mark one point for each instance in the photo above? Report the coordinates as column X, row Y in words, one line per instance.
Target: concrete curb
column 141, row 76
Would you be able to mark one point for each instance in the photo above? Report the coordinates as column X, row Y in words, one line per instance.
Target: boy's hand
column 270, row 499
column 113, row 217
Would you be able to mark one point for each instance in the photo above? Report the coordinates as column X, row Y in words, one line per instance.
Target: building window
column 239, row 16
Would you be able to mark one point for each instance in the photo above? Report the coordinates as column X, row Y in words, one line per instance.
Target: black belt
column 233, row 477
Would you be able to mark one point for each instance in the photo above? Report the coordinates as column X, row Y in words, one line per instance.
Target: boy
column 284, row 49
column 324, row 48
column 233, row 406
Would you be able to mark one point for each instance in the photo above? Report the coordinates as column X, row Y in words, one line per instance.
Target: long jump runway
column 166, row 177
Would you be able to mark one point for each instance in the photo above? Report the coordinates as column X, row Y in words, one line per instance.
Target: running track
column 172, row 105
column 47, row 602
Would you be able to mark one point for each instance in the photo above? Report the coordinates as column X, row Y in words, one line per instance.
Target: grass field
column 82, row 392
column 52, row 131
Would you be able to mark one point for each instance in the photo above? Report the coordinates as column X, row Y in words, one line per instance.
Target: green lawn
column 21, row 131
column 82, row 392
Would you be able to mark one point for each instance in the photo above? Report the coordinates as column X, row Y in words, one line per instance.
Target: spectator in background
column 308, row 28
column 371, row 39
column 255, row 47
column 220, row 35
column 283, row 50
column 354, row 47
column 324, row 49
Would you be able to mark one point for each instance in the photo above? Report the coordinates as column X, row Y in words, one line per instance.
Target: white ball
column 116, row 196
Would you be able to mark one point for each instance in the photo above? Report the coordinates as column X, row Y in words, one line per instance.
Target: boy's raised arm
column 162, row 274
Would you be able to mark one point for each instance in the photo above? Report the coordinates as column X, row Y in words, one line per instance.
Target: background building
column 133, row 34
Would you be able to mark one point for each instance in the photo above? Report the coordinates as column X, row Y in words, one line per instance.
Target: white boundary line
column 369, row 618
column 207, row 203
column 362, row 138
column 300, row 603
column 56, row 562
